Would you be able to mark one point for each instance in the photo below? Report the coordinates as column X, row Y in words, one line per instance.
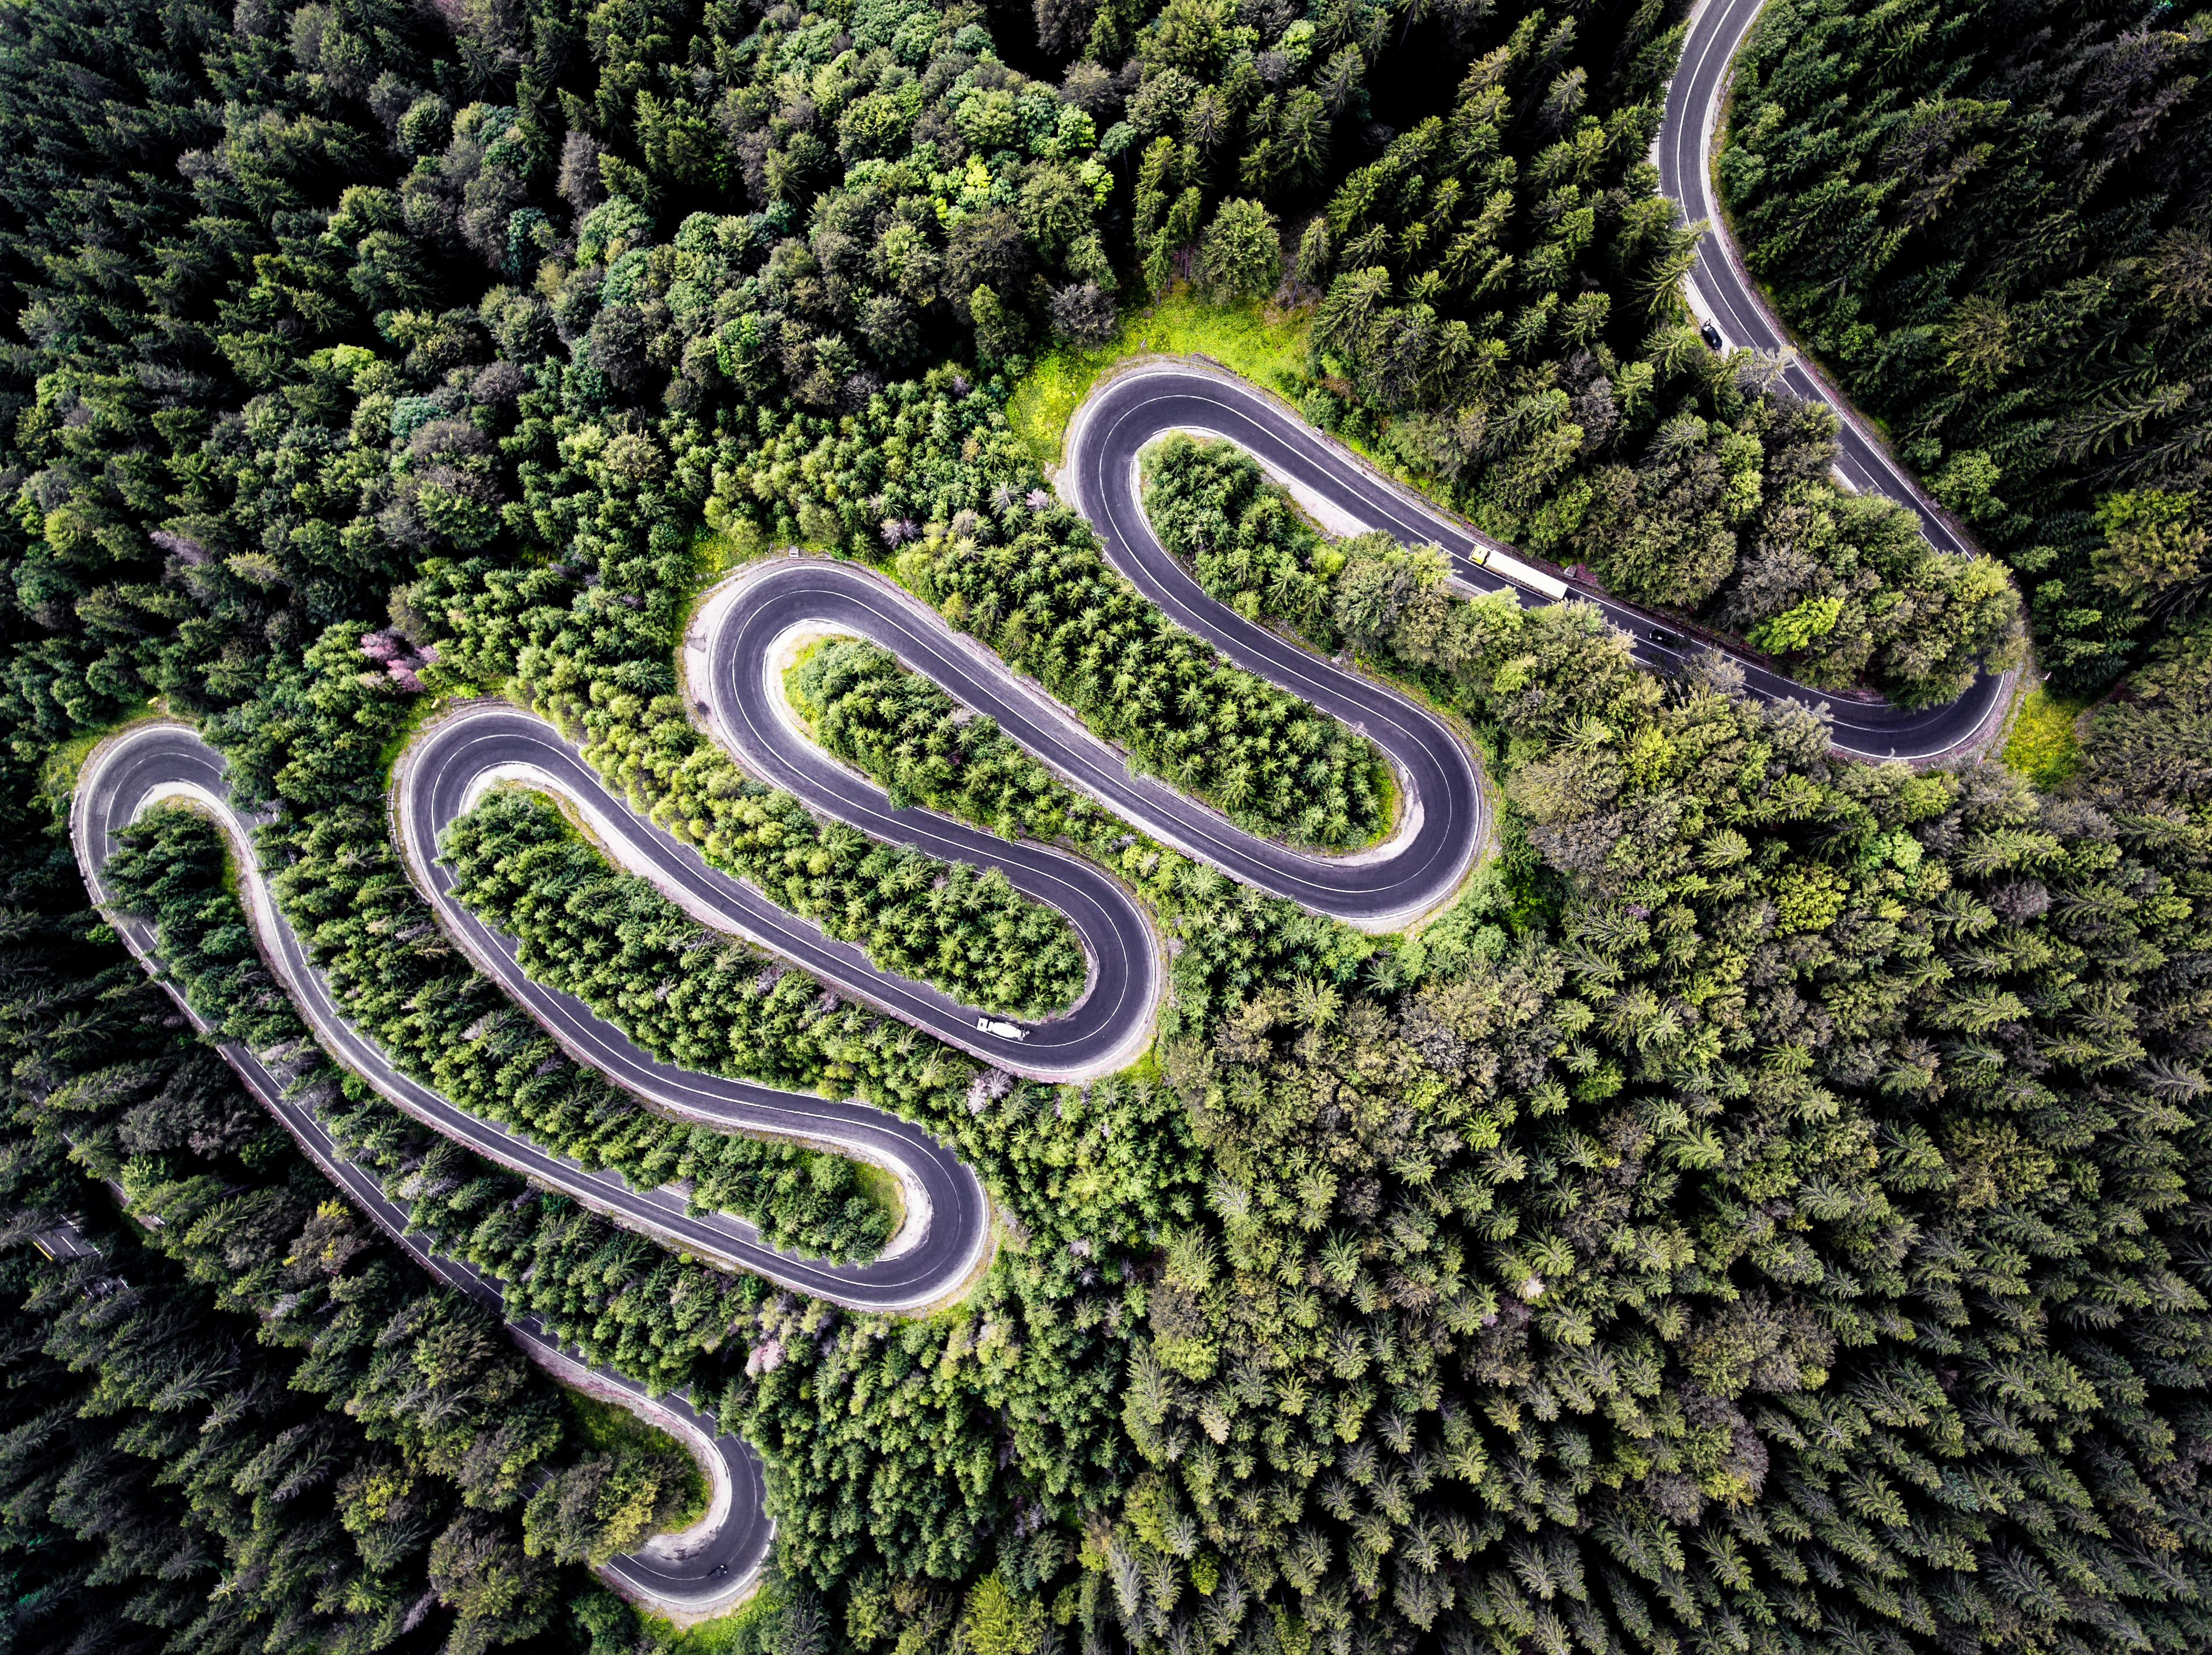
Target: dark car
column 1665, row 639
column 1711, row 335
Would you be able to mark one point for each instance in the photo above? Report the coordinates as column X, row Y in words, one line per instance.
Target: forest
column 900, row 728
column 1763, row 1212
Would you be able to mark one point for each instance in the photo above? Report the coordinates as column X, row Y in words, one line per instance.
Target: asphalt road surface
column 708, row 1566
column 450, row 763
column 65, row 1242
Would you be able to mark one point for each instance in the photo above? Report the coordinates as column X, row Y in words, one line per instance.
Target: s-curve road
column 947, row 1233
column 1123, row 414
column 1412, row 870
column 703, row 1570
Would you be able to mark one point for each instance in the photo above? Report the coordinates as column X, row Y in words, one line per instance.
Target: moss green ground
column 420, row 711
column 799, row 701
column 2042, row 746
column 715, row 551
column 1266, row 346
column 881, row 1188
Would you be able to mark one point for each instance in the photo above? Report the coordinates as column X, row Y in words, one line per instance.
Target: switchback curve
column 1127, row 412
column 447, row 767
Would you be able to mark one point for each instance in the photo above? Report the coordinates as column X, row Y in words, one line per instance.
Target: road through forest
column 730, row 652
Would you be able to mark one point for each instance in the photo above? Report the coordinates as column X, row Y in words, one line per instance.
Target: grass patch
column 754, row 1628
column 2042, row 746
column 1266, row 346
column 883, row 1189
column 801, row 703
column 716, row 552
column 422, row 710
column 1385, row 783
column 233, row 875
column 607, row 1427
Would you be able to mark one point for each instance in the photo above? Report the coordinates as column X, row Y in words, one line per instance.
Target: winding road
column 700, row 1572
column 731, row 654
column 1721, row 290
column 947, row 1234
column 732, row 651
column 1414, row 869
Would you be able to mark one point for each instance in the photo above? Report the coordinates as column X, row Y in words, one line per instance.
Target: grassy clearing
column 233, row 875
column 2042, row 746
column 800, row 703
column 421, row 710
column 1266, row 346
column 716, row 551
column 606, row 1426
column 1385, row 783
